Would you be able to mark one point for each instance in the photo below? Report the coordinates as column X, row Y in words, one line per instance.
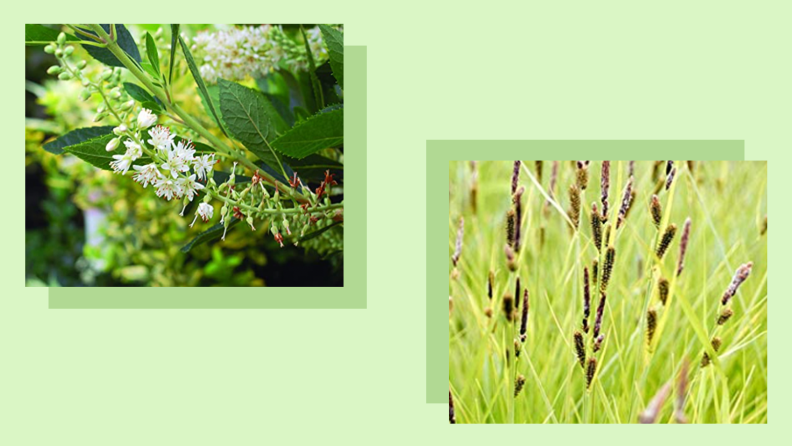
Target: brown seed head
column 510, row 227
column 451, row 416
column 574, row 205
column 670, row 178
column 518, row 385
column 683, row 245
column 580, row 349
column 662, row 290
column 490, row 278
column 460, row 235
column 538, row 165
column 515, row 179
column 604, row 188
column 651, row 325
column 665, row 241
column 739, row 277
column 725, row 315
column 625, row 205
column 600, row 311
column 524, row 319
column 596, row 226
column 657, row 211
column 586, row 300
column 590, row 371
column 607, row 268
column 598, row 342
column 508, row 307
column 582, row 174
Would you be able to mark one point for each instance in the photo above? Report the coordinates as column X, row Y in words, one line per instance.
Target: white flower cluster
column 174, row 158
column 253, row 51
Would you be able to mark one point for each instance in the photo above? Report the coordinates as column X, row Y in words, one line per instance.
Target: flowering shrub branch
column 178, row 168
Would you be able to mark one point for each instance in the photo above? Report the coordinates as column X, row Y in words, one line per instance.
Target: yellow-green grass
column 727, row 204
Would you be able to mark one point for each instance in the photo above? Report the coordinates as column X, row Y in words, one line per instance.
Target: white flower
column 161, row 138
column 184, row 150
column 146, row 119
column 175, row 164
column 203, row 166
column 133, row 149
column 188, row 186
column 121, row 163
column 205, row 211
column 146, row 174
column 112, row 145
column 167, row 188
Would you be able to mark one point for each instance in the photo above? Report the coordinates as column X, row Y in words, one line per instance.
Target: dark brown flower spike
column 586, row 300
column 662, row 290
column 669, row 167
column 716, row 344
column 574, row 205
column 651, row 325
column 518, row 385
column 683, row 245
column 474, row 185
column 508, row 307
column 511, row 219
column 665, row 241
column 604, row 188
column 582, row 174
column 517, row 291
column 517, row 200
column 490, row 279
column 590, row 371
column 657, row 211
column 631, row 168
column 524, row 320
column 607, row 268
column 451, row 415
column 739, row 277
column 516, row 348
column 538, row 165
column 460, row 235
column 596, row 226
column 652, row 411
column 670, row 178
column 600, row 311
column 625, row 204
column 725, row 315
column 580, row 349
column 515, row 177
column 598, row 342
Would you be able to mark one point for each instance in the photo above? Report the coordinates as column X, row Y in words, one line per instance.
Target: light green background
column 502, row 70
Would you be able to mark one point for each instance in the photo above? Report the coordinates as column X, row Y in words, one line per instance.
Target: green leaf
column 151, row 50
column 323, row 130
column 212, row 233
column 199, row 81
column 43, row 35
column 252, row 120
column 334, row 40
column 174, row 36
column 124, row 40
column 140, row 94
column 214, row 96
column 312, row 167
column 149, row 69
column 75, row 137
column 93, row 151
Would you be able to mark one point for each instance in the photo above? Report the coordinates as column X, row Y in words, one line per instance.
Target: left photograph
column 184, row 155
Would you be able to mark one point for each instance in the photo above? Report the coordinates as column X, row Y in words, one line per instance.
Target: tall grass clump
column 649, row 305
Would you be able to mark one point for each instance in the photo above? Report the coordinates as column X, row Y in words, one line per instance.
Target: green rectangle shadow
column 351, row 295
column 439, row 153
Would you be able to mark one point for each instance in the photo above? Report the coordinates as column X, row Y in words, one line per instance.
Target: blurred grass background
column 727, row 204
column 87, row 227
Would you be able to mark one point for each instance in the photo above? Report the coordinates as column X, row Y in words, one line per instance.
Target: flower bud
column 85, row 94
column 49, row 49
column 106, row 75
column 81, row 64
column 85, row 83
column 100, row 116
column 61, row 38
column 55, row 69
column 64, row 76
column 68, row 50
column 127, row 105
column 59, row 53
column 113, row 144
column 120, row 129
column 286, row 226
column 115, row 93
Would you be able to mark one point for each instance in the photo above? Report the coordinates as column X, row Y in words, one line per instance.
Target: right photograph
column 610, row 291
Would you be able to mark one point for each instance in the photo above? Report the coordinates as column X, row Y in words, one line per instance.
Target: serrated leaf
column 75, row 137
column 199, row 81
column 43, row 35
column 93, row 151
column 334, row 40
column 174, row 36
column 151, row 51
column 124, row 40
column 212, row 233
column 252, row 120
column 319, row 132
